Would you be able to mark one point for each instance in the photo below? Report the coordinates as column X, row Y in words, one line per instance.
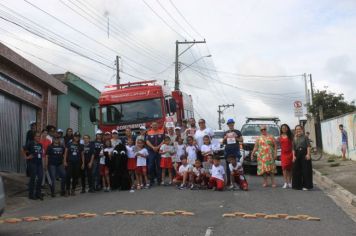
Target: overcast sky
column 257, row 37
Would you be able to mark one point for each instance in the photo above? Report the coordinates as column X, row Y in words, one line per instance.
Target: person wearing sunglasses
column 266, row 150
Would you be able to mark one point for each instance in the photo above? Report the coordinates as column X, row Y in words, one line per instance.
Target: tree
column 332, row 104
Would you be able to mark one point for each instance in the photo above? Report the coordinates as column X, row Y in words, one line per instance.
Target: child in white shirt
column 180, row 151
column 141, row 154
column 237, row 174
column 167, row 150
column 206, row 149
column 217, row 179
column 183, row 173
column 199, row 178
column 131, row 162
column 191, row 150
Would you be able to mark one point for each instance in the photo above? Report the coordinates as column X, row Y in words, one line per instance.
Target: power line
column 186, row 21
column 172, row 18
column 119, row 29
column 163, row 20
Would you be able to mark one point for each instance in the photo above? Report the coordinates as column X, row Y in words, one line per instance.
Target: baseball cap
column 32, row 122
column 178, row 127
column 229, row 121
column 170, row 125
column 99, row 132
column 77, row 134
column 107, row 133
column 142, row 127
column 114, row 131
column 59, row 131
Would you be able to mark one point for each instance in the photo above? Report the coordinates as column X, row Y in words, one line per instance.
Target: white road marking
column 209, row 231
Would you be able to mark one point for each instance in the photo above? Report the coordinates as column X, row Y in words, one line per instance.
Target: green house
column 73, row 107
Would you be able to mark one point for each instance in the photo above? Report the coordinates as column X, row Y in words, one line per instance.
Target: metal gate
column 14, row 123
column 74, row 118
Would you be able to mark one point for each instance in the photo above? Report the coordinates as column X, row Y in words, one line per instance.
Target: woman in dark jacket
column 302, row 167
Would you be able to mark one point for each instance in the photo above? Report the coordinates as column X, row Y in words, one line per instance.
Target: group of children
column 183, row 165
column 104, row 163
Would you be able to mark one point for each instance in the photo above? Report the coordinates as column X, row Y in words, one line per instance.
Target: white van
column 251, row 131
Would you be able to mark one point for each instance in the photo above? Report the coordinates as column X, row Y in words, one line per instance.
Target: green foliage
column 332, row 104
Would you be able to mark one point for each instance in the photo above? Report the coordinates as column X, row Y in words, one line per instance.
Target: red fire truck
column 138, row 104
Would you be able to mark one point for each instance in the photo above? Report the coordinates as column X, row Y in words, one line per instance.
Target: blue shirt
column 36, row 150
column 344, row 137
column 55, row 154
column 74, row 152
column 97, row 147
column 88, row 151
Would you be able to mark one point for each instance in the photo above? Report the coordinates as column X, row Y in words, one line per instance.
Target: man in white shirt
column 201, row 132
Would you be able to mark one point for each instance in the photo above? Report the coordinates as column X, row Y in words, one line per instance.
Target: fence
column 331, row 135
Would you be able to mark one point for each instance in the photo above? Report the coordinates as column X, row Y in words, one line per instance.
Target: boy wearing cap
column 74, row 162
column 232, row 139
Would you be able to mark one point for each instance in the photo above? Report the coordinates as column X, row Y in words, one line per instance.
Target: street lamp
column 200, row 58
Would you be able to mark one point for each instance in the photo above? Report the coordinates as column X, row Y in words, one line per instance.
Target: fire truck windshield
column 131, row 112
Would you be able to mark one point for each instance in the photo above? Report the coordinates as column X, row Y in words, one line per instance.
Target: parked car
column 2, row 196
column 251, row 131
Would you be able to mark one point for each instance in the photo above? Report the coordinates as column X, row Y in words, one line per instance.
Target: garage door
column 14, row 123
column 74, row 118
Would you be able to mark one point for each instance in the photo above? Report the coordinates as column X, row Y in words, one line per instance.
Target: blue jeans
column 35, row 171
column 96, row 179
column 237, row 154
column 54, row 171
column 154, row 169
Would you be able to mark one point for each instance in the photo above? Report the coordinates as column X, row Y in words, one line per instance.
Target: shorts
column 178, row 178
column 217, row 183
column 141, row 170
column 104, row 170
column 166, row 163
column 131, row 163
column 344, row 147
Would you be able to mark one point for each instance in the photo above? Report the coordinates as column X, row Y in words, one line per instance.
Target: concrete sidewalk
column 341, row 172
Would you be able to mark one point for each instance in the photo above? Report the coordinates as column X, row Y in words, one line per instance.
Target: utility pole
column 306, row 89
column 117, row 70
column 311, row 89
column 176, row 79
column 220, row 111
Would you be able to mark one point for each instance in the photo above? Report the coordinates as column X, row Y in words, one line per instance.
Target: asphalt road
column 208, row 207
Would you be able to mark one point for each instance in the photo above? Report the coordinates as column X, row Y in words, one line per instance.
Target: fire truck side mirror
column 172, row 105
column 92, row 115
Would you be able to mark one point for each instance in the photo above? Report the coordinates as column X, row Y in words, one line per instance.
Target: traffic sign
column 298, row 109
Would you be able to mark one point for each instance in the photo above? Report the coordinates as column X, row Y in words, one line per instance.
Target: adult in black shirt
column 33, row 153
column 88, row 164
column 68, row 137
column 232, row 139
column 54, row 164
column 73, row 161
column 97, row 146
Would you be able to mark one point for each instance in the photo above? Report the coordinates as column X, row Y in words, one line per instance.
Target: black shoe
column 91, row 191
column 83, row 191
column 40, row 197
column 32, row 198
column 63, row 193
column 53, row 195
column 72, row 192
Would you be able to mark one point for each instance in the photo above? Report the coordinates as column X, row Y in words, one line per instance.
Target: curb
column 339, row 191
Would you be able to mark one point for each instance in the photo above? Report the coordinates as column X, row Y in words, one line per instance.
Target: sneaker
column 132, row 191
column 147, row 186
column 305, row 189
column 182, row 186
column 83, row 191
column 72, row 192
column 63, row 193
column 170, row 183
column 285, row 185
column 289, row 185
column 162, row 183
column 53, row 195
column 231, row 187
column 106, row 190
column 192, row 187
